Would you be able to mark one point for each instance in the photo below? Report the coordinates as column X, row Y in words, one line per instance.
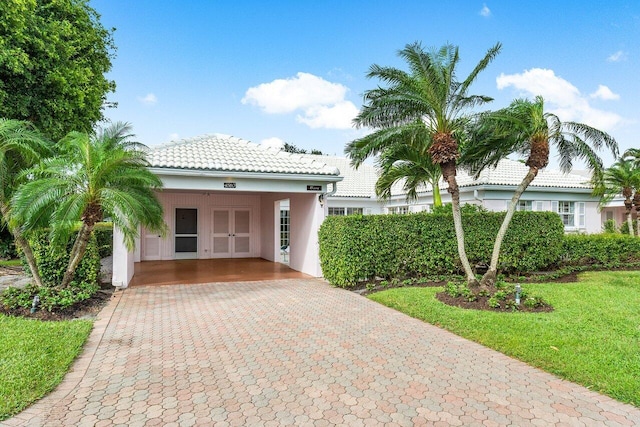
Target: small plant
column 451, row 289
column 534, row 302
column 493, row 302
column 407, row 282
column 384, row 283
column 370, row 286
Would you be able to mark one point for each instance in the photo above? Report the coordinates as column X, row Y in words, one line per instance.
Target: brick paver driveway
column 298, row 352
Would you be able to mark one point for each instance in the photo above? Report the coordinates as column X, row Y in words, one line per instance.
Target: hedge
column 356, row 248
column 604, row 250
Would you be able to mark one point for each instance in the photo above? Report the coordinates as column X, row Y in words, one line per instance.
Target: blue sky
column 294, row 71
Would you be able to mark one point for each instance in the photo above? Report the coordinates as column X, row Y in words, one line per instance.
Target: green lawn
column 592, row 338
column 10, row 263
column 34, row 357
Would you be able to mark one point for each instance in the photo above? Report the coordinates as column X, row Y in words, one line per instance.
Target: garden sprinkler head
column 34, row 304
column 518, row 291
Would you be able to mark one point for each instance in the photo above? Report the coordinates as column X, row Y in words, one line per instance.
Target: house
column 225, row 197
column 222, row 198
column 569, row 194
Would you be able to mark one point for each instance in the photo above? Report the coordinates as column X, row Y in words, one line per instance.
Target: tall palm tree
column 634, row 155
column 428, row 95
column 525, row 128
column 621, row 178
column 94, row 176
column 408, row 161
column 20, row 147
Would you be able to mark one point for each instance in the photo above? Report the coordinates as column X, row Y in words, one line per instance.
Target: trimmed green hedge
column 355, row 248
column 605, row 250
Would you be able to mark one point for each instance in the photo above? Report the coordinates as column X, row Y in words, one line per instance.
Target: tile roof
column 510, row 173
column 356, row 183
column 217, row 152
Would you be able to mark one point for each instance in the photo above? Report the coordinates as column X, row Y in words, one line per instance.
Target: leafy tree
column 95, row 175
column 621, row 178
column 428, row 95
column 411, row 164
column 290, row 148
column 53, row 60
column 524, row 127
column 20, row 147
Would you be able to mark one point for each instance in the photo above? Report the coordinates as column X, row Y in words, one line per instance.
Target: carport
column 222, row 200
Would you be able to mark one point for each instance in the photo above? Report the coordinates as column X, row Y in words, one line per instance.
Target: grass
column 34, row 357
column 10, row 263
column 592, row 338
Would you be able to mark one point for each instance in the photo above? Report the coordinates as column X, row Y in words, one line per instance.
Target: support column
column 123, row 261
column 306, row 216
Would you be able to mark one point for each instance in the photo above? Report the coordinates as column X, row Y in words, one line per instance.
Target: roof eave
column 242, row 174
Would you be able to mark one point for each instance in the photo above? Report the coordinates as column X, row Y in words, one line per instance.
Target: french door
column 231, row 233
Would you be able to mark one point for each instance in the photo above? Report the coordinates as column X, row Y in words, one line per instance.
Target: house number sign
column 229, row 185
column 314, row 187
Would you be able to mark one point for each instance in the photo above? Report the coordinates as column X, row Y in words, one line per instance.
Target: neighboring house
column 225, row 197
column 569, row 195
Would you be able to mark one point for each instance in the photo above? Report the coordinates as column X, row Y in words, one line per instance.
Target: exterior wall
column 496, row 198
column 369, row 206
column 307, row 214
column 123, row 261
column 205, row 202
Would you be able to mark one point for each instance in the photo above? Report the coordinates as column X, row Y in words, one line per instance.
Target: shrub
column 52, row 263
column 624, row 227
column 606, row 250
column 104, row 238
column 610, row 226
column 7, row 248
column 355, row 248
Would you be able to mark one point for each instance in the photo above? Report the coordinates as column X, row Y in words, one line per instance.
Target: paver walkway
column 298, row 352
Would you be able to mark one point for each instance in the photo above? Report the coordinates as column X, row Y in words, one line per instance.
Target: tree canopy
column 53, row 60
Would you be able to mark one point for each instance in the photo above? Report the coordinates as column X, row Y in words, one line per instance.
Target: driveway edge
column 34, row 413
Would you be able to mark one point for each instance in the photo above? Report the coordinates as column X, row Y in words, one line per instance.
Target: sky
column 295, row 71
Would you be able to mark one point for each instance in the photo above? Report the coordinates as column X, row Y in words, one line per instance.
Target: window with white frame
column 399, row 210
column 354, row 211
column 524, row 205
column 573, row 214
column 284, row 228
column 336, row 211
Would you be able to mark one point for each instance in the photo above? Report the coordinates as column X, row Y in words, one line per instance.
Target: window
column 608, row 215
column 336, row 211
column 354, row 211
column 399, row 210
column 538, row 206
column 567, row 213
column 573, row 214
column 284, row 228
column 524, row 205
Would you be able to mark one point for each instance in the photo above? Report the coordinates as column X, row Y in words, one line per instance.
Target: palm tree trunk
column 489, row 278
column 77, row 252
column 437, row 199
column 630, row 223
column 449, row 174
column 23, row 245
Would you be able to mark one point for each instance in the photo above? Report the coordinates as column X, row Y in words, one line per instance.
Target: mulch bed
column 84, row 310
column 481, row 304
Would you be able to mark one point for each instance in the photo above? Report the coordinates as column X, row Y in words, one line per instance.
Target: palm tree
column 408, row 162
column 94, row 176
column 20, row 147
column 634, row 154
column 428, row 95
column 525, row 128
column 622, row 177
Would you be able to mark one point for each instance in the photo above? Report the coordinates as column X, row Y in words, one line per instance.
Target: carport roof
column 217, row 152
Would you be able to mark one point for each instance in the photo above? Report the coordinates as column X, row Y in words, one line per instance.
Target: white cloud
column 617, row 56
column 485, row 11
column 605, row 93
column 562, row 98
column 148, row 99
column 273, row 142
column 173, row 136
column 321, row 103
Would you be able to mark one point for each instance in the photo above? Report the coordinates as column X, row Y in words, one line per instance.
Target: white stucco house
column 225, row 197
